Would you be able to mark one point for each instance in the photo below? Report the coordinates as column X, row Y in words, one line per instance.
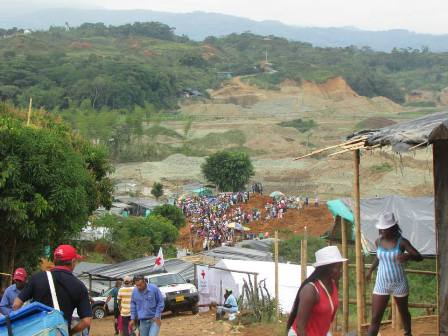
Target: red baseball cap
column 20, row 274
column 66, row 253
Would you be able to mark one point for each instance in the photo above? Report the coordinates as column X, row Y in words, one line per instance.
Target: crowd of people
column 216, row 219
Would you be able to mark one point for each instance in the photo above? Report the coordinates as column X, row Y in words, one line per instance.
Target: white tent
column 289, row 279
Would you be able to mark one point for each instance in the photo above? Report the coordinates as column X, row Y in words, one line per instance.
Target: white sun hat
column 328, row 255
column 386, row 221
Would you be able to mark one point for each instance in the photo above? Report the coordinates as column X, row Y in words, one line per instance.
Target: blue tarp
column 35, row 319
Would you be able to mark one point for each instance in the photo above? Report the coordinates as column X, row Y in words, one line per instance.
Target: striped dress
column 391, row 278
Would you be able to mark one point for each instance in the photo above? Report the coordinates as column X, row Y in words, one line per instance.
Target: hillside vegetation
column 146, row 63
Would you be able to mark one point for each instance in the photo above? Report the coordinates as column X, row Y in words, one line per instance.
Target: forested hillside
column 147, row 64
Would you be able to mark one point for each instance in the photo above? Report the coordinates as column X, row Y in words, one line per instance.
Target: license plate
column 180, row 298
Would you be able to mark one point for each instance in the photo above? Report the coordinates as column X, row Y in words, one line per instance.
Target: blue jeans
column 148, row 328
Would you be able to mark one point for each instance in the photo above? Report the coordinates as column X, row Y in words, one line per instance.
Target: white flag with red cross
column 160, row 261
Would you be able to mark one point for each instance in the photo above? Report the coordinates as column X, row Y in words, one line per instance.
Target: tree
column 157, row 190
column 50, row 183
column 171, row 212
column 229, row 170
column 136, row 237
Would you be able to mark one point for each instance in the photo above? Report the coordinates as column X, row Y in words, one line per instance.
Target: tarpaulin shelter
column 35, row 319
column 414, row 214
column 232, row 273
column 403, row 137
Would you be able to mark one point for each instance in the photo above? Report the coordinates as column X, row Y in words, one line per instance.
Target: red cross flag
column 160, row 262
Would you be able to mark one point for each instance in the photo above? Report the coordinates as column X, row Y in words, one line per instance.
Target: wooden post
column 440, row 167
column 304, row 255
column 393, row 310
column 277, row 301
column 359, row 262
column 345, row 281
column 29, row 112
column 90, row 285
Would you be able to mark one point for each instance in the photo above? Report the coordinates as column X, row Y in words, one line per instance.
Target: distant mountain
column 198, row 25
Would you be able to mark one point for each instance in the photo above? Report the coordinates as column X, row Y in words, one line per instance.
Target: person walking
column 317, row 301
column 393, row 251
column 147, row 305
column 70, row 292
column 11, row 293
column 114, row 295
column 124, row 304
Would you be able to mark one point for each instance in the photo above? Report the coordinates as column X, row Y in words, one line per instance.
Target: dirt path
column 186, row 324
column 183, row 324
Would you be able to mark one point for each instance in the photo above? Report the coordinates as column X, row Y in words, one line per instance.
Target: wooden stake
column 29, row 112
column 277, row 301
column 359, row 263
column 304, row 256
column 345, row 281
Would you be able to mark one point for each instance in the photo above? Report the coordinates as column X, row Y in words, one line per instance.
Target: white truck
column 179, row 294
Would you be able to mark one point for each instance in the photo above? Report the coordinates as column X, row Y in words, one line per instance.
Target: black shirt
column 71, row 293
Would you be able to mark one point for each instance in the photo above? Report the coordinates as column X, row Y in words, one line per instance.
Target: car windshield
column 166, row 280
column 108, row 292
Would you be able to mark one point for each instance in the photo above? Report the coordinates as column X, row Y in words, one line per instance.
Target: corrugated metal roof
column 142, row 266
column 238, row 253
column 84, row 267
column 264, row 245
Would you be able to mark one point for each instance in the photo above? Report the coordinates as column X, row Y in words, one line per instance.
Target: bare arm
column 372, row 269
column 308, row 298
column 17, row 304
column 83, row 324
column 412, row 253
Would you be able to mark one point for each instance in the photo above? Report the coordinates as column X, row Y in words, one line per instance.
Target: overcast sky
column 428, row 16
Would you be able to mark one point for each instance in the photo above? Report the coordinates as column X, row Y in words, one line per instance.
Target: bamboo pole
column 393, row 309
column 29, row 112
column 277, row 302
column 345, row 280
column 304, row 255
column 359, row 263
column 332, row 147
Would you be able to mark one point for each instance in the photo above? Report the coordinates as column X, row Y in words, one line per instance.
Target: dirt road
column 186, row 324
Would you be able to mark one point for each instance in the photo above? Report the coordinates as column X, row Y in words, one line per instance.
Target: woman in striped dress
column 392, row 253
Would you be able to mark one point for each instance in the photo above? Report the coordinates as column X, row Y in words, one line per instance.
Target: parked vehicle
column 98, row 309
column 180, row 294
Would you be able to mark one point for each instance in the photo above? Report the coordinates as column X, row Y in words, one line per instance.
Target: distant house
column 139, row 206
column 191, row 93
column 225, row 74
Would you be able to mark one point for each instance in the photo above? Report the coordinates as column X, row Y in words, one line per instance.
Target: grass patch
column 156, row 130
column 421, row 104
column 384, row 167
column 232, row 138
column 301, row 125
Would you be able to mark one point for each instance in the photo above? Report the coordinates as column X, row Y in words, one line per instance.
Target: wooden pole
column 359, row 262
column 29, row 112
column 277, row 302
column 440, row 169
column 304, row 255
column 345, row 281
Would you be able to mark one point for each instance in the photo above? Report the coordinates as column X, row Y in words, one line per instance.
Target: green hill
column 146, row 63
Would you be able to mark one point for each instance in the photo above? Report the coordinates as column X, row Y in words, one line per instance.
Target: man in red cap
column 19, row 279
column 71, row 293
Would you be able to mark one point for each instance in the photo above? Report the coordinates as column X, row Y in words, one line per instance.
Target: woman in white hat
column 392, row 252
column 317, row 301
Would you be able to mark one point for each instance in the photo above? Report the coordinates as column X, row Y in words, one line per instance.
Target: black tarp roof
column 405, row 135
